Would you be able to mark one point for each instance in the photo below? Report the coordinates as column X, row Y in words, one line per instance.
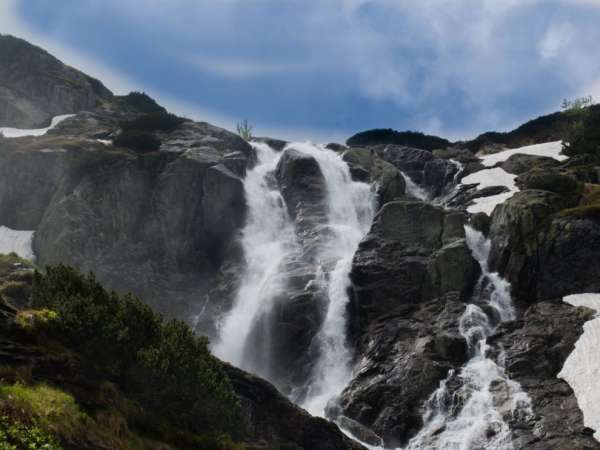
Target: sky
column 322, row 70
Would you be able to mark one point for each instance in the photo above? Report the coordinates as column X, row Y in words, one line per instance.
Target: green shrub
column 143, row 103
column 583, row 135
column 155, row 121
column 244, row 130
column 140, row 141
column 160, row 364
column 15, row 435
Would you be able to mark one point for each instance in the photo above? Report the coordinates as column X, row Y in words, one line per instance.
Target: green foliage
column 15, row 435
column 162, row 364
column 574, row 106
column 244, row 130
column 389, row 136
column 583, row 134
column 140, row 141
column 155, row 121
column 36, row 320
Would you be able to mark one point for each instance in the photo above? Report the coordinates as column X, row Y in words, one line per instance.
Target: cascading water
column 351, row 210
column 475, row 415
column 269, row 239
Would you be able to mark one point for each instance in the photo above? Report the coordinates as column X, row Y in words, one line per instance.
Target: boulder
column 520, row 163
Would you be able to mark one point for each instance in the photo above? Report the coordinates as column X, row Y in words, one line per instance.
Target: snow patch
column 487, row 178
column 106, row 142
column 549, row 149
column 15, row 241
column 582, row 368
column 499, row 177
column 18, row 132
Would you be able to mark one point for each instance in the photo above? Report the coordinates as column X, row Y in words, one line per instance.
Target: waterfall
column 351, row 210
column 414, row 190
column 475, row 415
column 269, row 239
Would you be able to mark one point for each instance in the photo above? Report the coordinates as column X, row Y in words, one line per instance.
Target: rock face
column 274, row 419
column 421, row 166
column 366, row 165
column 160, row 225
column 534, row 349
column 409, row 276
column 35, row 86
column 543, row 252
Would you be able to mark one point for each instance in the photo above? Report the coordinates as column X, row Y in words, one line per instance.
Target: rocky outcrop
column 160, row 225
column 366, row 165
column 534, row 349
column 35, row 86
column 543, row 248
column 409, row 276
column 421, row 166
column 274, row 422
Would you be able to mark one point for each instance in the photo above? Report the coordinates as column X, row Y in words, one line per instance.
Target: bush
column 14, row 435
column 583, row 136
column 140, row 141
column 163, row 365
column 389, row 136
column 155, row 121
column 143, row 103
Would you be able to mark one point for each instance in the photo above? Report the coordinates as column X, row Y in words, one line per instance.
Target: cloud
column 455, row 67
column 242, row 68
column 557, row 37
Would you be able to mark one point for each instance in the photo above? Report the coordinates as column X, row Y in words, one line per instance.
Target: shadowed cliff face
column 35, row 86
column 159, row 224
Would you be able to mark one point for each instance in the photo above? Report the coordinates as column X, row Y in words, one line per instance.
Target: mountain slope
column 35, row 86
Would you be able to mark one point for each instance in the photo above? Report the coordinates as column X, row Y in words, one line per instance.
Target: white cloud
column 557, row 38
column 241, row 68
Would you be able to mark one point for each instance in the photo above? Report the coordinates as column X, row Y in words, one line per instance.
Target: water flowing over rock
column 291, row 306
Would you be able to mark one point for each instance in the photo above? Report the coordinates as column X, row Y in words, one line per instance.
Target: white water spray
column 475, row 416
column 268, row 238
column 351, row 210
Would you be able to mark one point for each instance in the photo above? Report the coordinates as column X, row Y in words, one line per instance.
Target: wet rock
column 365, row 165
column 404, row 355
column 409, row 160
column 534, row 349
column 481, row 222
column 275, row 144
column 408, row 276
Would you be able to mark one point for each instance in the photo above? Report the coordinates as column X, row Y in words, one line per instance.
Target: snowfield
column 19, row 242
column 582, row 368
column 499, row 177
column 549, row 149
column 18, row 132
